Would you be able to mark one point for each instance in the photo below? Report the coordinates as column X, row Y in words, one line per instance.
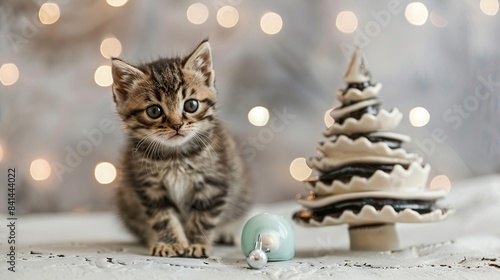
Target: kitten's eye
column 191, row 106
column 154, row 111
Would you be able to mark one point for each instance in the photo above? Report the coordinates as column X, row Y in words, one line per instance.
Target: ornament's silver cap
column 257, row 258
column 358, row 68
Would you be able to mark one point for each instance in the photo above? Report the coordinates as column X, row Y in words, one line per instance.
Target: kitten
column 184, row 183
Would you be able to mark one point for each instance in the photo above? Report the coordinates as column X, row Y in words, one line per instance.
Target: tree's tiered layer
column 371, row 207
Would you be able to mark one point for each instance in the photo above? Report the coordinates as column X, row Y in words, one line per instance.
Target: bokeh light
column 437, row 20
column 299, row 169
column 105, row 173
column 441, row 182
column 258, row 116
column 49, row 13
column 329, row 121
column 489, row 7
column 117, row 3
column 271, row 23
column 1, row 152
column 228, row 16
column 111, row 47
column 416, row 13
column 103, row 76
column 197, row 13
column 346, row 22
column 40, row 169
column 419, row 116
column 9, row 74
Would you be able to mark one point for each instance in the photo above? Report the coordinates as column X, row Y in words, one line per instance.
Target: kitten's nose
column 177, row 126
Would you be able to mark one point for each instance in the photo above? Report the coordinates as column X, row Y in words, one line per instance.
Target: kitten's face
column 169, row 101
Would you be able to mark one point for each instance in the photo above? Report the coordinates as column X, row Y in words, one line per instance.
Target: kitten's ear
column 200, row 61
column 124, row 75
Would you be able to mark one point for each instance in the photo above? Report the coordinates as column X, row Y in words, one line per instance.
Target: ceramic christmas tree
column 365, row 178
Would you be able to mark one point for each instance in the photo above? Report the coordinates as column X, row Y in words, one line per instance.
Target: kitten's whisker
column 143, row 140
column 199, row 141
column 202, row 142
column 207, row 136
column 147, row 148
column 146, row 159
column 158, row 158
column 158, row 149
column 153, row 157
column 206, row 143
column 147, row 154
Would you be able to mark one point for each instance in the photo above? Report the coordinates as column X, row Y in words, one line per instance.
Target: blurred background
column 278, row 65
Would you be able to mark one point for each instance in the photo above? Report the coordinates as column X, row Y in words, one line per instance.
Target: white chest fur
column 179, row 185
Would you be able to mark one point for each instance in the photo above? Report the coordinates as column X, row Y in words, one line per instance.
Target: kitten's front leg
column 170, row 240
column 206, row 208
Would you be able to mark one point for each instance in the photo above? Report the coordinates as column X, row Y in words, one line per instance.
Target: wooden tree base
column 380, row 237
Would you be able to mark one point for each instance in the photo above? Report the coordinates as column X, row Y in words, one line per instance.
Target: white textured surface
column 93, row 246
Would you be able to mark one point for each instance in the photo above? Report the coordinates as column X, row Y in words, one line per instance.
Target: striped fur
column 178, row 192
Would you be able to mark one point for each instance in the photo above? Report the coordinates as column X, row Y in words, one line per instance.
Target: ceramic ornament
column 365, row 178
column 267, row 237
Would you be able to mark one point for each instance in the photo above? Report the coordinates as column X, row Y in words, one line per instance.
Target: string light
column 419, row 116
column 117, row 3
column 105, row 173
column 329, row 121
column 40, row 169
column 299, row 169
column 346, row 22
column 111, row 47
column 438, row 20
column 49, row 13
column 258, row 116
column 103, row 76
column 441, row 182
column 228, row 16
column 416, row 13
column 271, row 23
column 489, row 7
column 9, row 74
column 197, row 13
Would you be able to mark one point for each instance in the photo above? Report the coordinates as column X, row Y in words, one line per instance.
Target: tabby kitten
column 184, row 183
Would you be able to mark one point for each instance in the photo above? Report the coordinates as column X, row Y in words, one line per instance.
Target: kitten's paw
column 198, row 251
column 168, row 250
